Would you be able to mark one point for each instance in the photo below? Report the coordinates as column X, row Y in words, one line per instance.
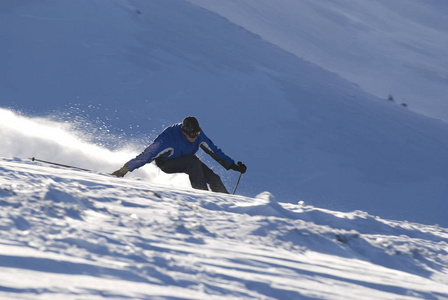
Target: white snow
column 393, row 48
column 345, row 194
column 68, row 234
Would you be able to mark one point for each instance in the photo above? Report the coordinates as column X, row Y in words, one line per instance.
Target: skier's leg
column 213, row 180
column 190, row 165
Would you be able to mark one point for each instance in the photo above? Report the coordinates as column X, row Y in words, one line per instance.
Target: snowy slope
column 115, row 73
column 393, row 48
column 67, row 234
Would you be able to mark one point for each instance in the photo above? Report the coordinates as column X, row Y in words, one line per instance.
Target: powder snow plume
column 59, row 142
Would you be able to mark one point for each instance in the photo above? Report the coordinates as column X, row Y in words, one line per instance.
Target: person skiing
column 174, row 152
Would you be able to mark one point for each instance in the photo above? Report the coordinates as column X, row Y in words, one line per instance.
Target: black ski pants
column 200, row 175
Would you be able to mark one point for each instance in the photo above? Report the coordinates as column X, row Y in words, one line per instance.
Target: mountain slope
column 120, row 71
column 387, row 47
column 71, row 234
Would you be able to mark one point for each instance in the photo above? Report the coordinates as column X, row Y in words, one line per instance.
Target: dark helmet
column 190, row 125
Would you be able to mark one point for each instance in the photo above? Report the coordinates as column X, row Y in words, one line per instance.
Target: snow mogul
column 174, row 152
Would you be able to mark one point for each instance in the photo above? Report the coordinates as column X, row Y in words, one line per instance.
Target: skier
column 174, row 152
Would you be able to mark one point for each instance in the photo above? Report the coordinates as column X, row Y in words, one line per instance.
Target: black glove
column 240, row 167
column 121, row 172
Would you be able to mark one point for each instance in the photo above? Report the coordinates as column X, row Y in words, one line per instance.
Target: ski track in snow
column 68, row 234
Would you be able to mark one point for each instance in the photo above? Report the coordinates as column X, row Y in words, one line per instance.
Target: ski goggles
column 194, row 134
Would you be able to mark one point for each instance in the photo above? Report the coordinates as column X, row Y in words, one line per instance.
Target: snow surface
column 115, row 73
column 90, row 83
column 388, row 47
column 68, row 234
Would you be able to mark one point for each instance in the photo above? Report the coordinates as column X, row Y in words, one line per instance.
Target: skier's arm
column 155, row 150
column 152, row 152
column 216, row 153
column 159, row 148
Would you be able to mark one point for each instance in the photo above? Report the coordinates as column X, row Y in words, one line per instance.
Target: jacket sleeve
column 216, row 153
column 160, row 147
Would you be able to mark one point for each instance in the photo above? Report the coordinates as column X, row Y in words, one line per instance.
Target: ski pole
column 60, row 165
column 239, row 178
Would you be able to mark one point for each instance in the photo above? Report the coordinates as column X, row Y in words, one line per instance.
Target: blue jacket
column 171, row 143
